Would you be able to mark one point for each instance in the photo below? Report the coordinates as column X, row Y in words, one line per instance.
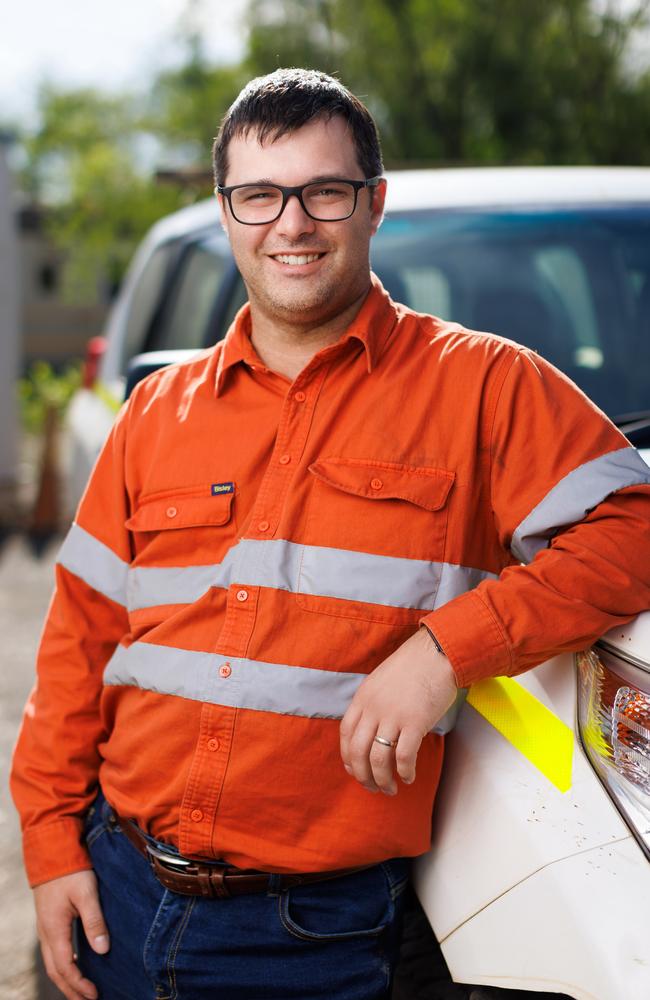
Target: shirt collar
column 237, row 346
column 372, row 326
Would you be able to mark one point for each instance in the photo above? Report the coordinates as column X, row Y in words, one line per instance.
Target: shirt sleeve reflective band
column 575, row 495
column 95, row 564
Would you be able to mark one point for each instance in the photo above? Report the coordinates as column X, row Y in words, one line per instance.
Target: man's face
column 269, row 256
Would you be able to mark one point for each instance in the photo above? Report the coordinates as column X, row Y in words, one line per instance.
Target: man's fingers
column 86, row 902
column 93, row 922
column 382, row 762
column 346, row 729
column 359, row 753
column 57, row 904
column 63, row 972
column 406, row 753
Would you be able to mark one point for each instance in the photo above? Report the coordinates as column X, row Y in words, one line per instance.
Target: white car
column 538, row 879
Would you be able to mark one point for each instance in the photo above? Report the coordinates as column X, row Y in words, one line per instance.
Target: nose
column 294, row 221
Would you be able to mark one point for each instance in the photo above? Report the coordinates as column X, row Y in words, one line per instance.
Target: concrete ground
column 25, row 586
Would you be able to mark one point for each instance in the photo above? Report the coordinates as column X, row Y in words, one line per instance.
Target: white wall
column 9, row 296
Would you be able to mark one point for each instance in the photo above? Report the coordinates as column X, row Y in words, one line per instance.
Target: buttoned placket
column 198, row 828
column 291, row 438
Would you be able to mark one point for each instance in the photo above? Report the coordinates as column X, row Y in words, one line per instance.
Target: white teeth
column 305, row 258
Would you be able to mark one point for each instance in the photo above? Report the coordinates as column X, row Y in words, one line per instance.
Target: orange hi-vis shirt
column 249, row 549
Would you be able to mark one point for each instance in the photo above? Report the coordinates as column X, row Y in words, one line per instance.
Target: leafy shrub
column 44, row 389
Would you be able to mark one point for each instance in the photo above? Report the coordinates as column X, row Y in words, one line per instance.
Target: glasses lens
column 256, row 203
column 330, row 200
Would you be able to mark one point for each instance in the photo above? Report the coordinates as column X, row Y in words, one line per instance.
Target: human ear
column 222, row 211
column 378, row 198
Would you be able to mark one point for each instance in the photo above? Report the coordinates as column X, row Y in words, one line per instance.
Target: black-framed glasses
column 331, row 199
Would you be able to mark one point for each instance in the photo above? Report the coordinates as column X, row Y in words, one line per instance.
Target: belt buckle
column 170, row 860
column 209, row 877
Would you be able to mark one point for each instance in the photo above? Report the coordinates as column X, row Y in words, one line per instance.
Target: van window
column 237, row 299
column 145, row 299
column 572, row 284
column 563, row 269
column 187, row 312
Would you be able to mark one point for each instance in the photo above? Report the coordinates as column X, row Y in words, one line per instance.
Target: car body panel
column 498, row 819
column 527, row 887
column 485, row 187
column 578, row 926
column 632, row 640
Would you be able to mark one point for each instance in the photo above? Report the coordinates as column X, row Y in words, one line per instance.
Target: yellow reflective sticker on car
column 530, row 726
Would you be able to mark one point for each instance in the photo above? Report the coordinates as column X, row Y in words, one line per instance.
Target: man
column 323, row 518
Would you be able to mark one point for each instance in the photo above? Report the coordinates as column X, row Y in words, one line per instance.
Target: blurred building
column 51, row 329
column 9, row 334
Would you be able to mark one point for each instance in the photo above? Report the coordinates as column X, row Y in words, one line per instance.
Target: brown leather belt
column 191, row 877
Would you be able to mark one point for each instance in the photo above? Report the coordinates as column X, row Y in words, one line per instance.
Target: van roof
column 468, row 187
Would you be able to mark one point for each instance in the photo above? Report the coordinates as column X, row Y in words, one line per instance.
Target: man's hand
column 401, row 700
column 57, row 903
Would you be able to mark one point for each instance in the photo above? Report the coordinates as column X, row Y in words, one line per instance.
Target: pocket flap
column 166, row 513
column 420, row 485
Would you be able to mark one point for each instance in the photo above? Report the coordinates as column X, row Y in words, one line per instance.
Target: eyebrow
column 312, row 180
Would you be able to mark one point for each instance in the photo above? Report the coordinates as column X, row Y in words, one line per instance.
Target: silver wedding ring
column 384, row 742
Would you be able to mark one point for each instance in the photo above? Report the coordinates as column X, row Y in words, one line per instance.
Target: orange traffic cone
column 46, row 513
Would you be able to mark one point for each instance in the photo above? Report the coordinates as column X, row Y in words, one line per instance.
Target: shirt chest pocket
column 374, row 534
column 182, row 528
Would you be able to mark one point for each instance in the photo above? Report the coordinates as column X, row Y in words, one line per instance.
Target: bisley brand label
column 218, row 488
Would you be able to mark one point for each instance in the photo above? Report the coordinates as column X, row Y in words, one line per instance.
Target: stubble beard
column 297, row 305
column 314, row 304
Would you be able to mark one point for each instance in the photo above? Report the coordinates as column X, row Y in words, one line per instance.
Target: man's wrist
column 440, row 658
column 433, row 638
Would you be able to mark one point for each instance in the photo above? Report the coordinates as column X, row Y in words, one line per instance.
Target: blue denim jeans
column 332, row 940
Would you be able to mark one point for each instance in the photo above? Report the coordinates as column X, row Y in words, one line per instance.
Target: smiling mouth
column 297, row 259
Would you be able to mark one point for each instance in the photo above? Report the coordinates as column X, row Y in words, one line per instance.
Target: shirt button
column 285, row 459
column 242, row 595
column 196, row 815
column 225, row 670
column 171, row 512
column 263, row 526
column 213, row 744
column 300, row 396
column 376, row 483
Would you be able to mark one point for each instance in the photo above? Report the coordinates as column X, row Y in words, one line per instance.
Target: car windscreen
column 147, row 292
column 574, row 285
column 186, row 311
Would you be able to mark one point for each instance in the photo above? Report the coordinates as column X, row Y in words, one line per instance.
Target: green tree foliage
column 449, row 81
column 474, row 81
column 92, row 159
column 43, row 389
column 187, row 103
column 83, row 162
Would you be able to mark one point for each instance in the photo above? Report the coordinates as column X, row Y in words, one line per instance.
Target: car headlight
column 614, row 724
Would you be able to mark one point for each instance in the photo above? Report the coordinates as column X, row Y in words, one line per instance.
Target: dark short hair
column 284, row 101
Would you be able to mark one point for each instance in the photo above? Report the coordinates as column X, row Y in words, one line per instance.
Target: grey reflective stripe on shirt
column 94, row 563
column 575, row 495
column 313, row 570
column 254, row 684
column 148, row 586
column 273, row 564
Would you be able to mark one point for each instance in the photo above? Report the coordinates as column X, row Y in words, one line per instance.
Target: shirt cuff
column 53, row 850
column 473, row 640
